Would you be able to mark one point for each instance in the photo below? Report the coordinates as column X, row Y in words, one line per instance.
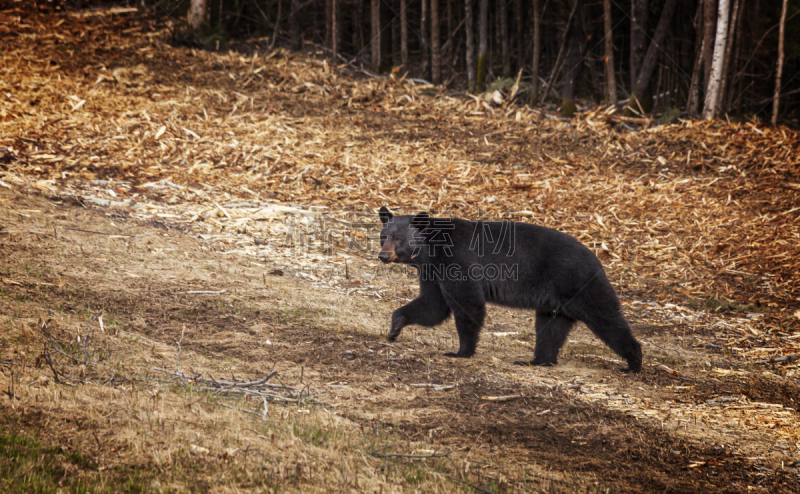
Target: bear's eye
column 383, row 239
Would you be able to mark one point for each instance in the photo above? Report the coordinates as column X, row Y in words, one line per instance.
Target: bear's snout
column 388, row 253
column 387, row 257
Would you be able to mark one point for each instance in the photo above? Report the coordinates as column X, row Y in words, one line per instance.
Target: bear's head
column 401, row 238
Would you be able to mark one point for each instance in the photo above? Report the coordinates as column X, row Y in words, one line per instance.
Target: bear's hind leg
column 614, row 331
column 551, row 334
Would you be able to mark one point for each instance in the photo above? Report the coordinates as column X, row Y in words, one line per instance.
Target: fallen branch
column 785, row 358
column 501, row 399
column 52, row 368
column 405, row 455
column 222, row 382
column 476, row 487
column 259, row 389
column 96, row 233
column 435, row 387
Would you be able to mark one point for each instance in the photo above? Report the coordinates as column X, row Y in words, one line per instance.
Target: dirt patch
column 543, row 436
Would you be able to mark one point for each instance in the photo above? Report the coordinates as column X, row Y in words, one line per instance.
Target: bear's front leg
column 468, row 324
column 429, row 309
column 398, row 323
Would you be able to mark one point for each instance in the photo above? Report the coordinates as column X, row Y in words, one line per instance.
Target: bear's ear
column 385, row 215
column 421, row 221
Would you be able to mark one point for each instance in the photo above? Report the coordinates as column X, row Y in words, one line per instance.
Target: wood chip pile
column 244, row 150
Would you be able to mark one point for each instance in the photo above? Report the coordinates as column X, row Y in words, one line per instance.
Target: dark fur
column 556, row 275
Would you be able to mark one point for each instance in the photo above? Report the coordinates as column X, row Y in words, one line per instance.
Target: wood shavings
column 700, row 214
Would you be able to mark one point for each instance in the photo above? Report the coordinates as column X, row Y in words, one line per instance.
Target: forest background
column 696, row 57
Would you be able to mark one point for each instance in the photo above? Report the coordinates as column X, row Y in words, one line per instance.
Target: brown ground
column 84, row 407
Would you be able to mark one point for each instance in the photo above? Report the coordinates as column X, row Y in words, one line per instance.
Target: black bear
column 463, row 264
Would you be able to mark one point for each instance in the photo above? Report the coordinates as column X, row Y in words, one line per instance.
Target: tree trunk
column 404, row 33
column 436, row 55
column 726, row 65
column 655, row 48
column 423, row 35
column 334, row 29
column 470, row 30
column 450, row 34
column 396, row 48
column 712, row 94
column 506, row 56
column 536, row 52
column 734, row 72
column 709, row 23
column 611, row 83
column 387, row 14
column 483, row 44
column 574, row 62
column 328, row 22
column 375, row 39
column 781, row 34
column 695, row 86
column 198, row 13
column 294, row 25
column 696, row 83
column 520, row 34
column 561, row 51
column 640, row 18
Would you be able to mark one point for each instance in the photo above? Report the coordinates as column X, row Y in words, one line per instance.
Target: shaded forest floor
column 133, row 172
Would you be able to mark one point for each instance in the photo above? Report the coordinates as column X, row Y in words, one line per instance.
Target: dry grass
column 221, row 129
column 112, row 420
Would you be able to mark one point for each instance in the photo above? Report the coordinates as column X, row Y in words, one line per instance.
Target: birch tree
column 709, row 20
column 715, row 79
column 198, row 13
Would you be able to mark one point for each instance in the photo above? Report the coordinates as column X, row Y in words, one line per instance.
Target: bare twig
column 403, row 455
column 52, row 368
column 260, row 389
column 179, row 350
column 239, row 409
column 435, row 387
column 76, row 359
column 96, row 233
column 476, row 487
column 86, row 340
column 665, row 349
column 785, row 358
